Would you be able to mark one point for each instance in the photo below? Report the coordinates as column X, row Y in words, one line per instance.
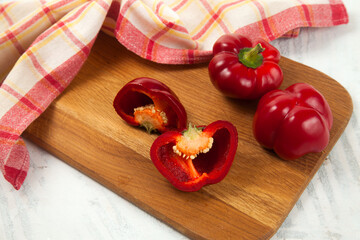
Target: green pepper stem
column 251, row 57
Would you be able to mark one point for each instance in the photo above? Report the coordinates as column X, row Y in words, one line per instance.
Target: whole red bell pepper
column 244, row 69
column 197, row 156
column 150, row 103
column 294, row 121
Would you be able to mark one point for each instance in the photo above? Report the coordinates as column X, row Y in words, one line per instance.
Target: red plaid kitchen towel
column 43, row 44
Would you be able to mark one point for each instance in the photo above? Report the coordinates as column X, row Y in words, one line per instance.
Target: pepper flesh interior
column 150, row 117
column 193, row 142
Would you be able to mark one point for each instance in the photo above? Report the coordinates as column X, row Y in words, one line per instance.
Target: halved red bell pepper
column 150, row 103
column 244, row 69
column 294, row 121
column 197, row 156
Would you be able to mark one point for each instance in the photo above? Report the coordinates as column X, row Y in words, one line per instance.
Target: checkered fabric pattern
column 43, row 44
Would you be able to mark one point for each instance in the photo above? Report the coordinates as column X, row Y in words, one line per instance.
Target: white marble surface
column 58, row 202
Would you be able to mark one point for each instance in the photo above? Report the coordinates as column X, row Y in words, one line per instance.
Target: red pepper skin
column 293, row 122
column 235, row 79
column 212, row 166
column 143, row 91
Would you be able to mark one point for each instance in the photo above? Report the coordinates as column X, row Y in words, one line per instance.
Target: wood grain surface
column 82, row 128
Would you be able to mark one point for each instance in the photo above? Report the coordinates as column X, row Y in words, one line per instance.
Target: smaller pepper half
column 196, row 157
column 149, row 103
column 294, row 121
column 244, row 69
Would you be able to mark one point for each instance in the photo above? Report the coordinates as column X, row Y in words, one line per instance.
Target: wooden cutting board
column 82, row 128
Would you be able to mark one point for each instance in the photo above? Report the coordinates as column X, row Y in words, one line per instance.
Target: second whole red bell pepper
column 197, row 156
column 244, row 69
column 294, row 121
column 150, row 103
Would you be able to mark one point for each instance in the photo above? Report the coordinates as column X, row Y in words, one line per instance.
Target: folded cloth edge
column 18, row 155
column 167, row 55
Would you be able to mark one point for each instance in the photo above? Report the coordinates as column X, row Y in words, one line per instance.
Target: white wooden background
column 61, row 203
